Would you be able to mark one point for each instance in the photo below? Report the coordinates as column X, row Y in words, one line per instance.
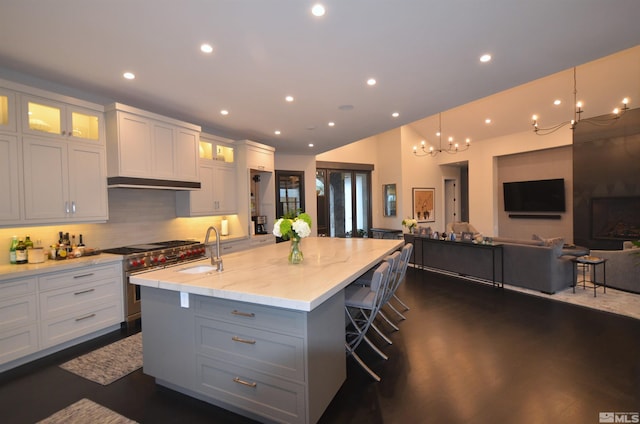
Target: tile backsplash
column 135, row 216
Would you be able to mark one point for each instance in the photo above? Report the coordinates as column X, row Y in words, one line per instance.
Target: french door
column 344, row 202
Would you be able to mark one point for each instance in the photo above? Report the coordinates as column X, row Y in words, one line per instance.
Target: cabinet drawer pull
column 84, row 291
column 85, row 317
column 238, row 339
column 83, row 275
column 246, row 383
column 243, row 314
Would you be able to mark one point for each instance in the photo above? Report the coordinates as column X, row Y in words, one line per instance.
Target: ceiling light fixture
column 224, row 112
column 310, row 144
column 277, row 132
column 395, row 114
column 332, row 124
column 289, row 98
column 485, row 58
column 206, row 48
column 318, row 10
column 577, row 113
column 129, row 75
column 452, row 148
column 371, row 81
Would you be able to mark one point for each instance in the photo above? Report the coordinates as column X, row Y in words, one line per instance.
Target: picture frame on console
column 466, row 236
column 424, row 204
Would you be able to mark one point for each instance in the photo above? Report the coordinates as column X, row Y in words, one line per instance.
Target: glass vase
column 295, row 254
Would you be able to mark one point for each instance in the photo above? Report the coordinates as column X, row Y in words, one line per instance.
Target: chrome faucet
column 215, row 260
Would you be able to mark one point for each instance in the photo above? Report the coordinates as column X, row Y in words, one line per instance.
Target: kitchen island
column 263, row 338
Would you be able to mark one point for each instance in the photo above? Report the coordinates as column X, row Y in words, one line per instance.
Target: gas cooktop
column 149, row 247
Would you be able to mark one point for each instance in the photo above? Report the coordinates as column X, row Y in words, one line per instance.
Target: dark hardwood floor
column 467, row 353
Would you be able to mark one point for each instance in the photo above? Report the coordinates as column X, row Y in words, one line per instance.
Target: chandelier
column 577, row 113
column 451, row 147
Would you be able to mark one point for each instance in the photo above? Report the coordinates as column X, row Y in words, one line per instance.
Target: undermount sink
column 198, row 269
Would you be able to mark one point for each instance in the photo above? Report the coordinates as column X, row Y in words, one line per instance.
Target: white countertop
column 10, row 271
column 264, row 276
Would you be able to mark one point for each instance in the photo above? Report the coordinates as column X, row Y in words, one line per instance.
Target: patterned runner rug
column 85, row 411
column 109, row 363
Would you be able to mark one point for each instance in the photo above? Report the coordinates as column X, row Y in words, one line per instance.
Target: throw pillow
column 557, row 243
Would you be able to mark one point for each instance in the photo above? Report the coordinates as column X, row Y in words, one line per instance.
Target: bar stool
column 401, row 272
column 359, row 299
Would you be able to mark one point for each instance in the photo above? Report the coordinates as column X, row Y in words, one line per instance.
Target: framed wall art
column 389, row 199
column 424, row 204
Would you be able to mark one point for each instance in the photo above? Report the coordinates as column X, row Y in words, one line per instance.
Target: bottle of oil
column 12, row 249
column 21, row 252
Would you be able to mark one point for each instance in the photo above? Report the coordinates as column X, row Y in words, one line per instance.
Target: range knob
column 162, row 259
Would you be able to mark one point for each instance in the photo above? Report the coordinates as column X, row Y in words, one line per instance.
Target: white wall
column 537, row 165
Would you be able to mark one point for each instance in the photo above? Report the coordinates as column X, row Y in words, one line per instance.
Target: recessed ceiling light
column 318, row 10
column 289, row 98
column 371, row 81
column 277, row 132
column 557, row 102
column 310, row 144
column 395, row 114
column 206, row 48
column 224, row 112
column 485, row 58
column 129, row 75
column 332, row 124
column 487, row 121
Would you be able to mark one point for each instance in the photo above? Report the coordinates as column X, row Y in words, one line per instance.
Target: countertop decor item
column 410, row 223
column 294, row 225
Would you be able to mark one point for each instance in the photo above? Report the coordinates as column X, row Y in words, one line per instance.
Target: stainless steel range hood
column 130, row 182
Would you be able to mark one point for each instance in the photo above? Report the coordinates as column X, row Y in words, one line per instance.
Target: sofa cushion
column 556, row 243
column 518, row 241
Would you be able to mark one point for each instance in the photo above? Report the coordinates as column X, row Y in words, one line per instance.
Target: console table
column 478, row 262
column 388, row 233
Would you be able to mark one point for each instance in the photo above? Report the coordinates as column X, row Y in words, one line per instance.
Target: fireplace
column 615, row 218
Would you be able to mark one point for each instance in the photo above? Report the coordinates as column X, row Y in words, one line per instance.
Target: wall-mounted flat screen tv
column 534, row 196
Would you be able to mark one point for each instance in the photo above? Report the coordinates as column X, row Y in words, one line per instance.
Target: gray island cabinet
column 263, row 338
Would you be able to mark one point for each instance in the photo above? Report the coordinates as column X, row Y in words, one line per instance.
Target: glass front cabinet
column 7, row 110
column 48, row 117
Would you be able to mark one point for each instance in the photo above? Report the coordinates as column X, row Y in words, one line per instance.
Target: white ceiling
column 424, row 55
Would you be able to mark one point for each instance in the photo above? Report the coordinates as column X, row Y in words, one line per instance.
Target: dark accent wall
column 606, row 163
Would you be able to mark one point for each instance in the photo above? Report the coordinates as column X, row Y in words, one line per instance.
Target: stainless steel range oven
column 150, row 257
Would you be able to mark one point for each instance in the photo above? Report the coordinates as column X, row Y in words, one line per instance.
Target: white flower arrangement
column 409, row 223
column 293, row 228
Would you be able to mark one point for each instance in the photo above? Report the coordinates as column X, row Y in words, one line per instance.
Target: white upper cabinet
column 53, row 170
column 146, row 146
column 48, row 117
column 259, row 157
column 7, row 110
column 217, row 195
column 64, row 181
column 10, row 187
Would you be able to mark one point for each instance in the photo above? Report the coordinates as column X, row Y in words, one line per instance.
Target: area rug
column 85, row 411
column 109, row 363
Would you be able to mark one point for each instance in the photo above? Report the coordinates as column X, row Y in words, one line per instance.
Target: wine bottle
column 12, row 249
column 28, row 242
column 81, row 243
column 21, row 252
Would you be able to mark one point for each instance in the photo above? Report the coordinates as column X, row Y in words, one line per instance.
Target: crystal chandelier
column 577, row 112
column 451, row 147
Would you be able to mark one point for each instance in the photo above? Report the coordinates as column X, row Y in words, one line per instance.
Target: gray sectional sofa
column 533, row 265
